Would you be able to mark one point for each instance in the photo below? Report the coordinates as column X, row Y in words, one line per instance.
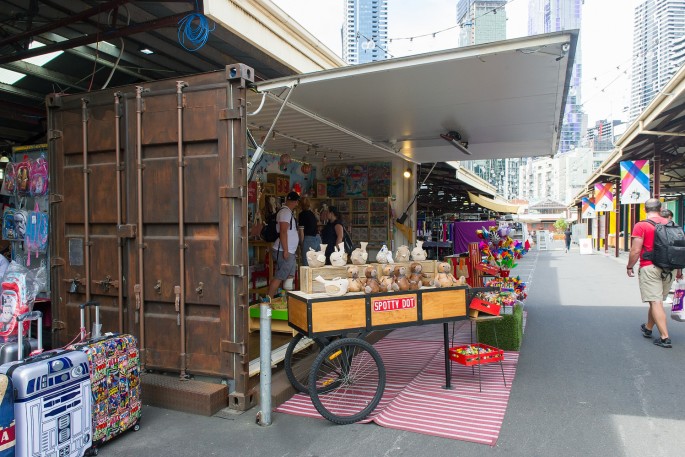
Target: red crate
column 489, row 269
column 485, row 306
column 494, row 355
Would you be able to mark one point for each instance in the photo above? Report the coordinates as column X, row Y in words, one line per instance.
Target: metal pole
column 86, row 202
column 120, row 241
column 181, row 311
column 140, row 289
column 264, row 414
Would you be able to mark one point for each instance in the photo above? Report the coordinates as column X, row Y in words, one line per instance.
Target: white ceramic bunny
column 337, row 257
column 334, row 287
column 382, row 256
column 402, row 254
column 418, row 253
column 359, row 255
column 341, row 248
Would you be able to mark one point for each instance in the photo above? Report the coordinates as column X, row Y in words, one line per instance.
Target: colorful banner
column 604, row 197
column 634, row 181
column 588, row 208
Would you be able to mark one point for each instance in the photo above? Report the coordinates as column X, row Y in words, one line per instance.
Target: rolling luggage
column 52, row 404
column 115, row 378
column 7, row 428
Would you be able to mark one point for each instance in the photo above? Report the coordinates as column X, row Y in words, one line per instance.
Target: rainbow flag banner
column 588, row 208
column 604, row 197
column 634, row 181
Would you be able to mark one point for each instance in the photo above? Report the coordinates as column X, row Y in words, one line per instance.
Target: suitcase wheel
column 136, row 427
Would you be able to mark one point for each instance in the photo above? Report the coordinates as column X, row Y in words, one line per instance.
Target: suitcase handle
column 83, row 307
column 30, row 316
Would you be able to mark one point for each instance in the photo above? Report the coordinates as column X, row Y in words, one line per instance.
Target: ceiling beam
column 21, row 92
column 43, row 73
column 168, row 21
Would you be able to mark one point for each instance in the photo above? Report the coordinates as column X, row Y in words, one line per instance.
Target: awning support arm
column 257, row 156
column 404, row 215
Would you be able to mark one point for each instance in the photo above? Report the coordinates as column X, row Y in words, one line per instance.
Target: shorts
column 284, row 268
column 652, row 286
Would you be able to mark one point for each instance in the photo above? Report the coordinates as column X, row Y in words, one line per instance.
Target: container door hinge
column 231, row 113
column 232, row 270
column 231, row 192
column 56, row 198
column 127, row 231
column 57, row 262
column 57, row 325
column 230, row 346
column 54, row 134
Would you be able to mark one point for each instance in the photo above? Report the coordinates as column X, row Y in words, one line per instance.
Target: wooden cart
column 346, row 377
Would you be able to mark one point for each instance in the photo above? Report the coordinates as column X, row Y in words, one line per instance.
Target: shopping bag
column 677, row 312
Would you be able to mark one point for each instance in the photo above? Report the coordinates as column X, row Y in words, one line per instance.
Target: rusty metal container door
column 182, row 228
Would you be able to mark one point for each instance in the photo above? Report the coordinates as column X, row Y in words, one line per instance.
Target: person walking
column 654, row 283
column 308, row 230
column 332, row 233
column 284, row 248
column 567, row 238
column 667, row 213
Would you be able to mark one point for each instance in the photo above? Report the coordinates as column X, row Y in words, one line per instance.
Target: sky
column 605, row 39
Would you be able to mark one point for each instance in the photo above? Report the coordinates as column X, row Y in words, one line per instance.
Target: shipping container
column 148, row 216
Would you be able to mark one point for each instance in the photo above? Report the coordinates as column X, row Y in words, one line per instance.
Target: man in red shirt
column 654, row 282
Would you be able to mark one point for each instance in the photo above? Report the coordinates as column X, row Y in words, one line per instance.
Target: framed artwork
column 269, row 188
column 321, row 191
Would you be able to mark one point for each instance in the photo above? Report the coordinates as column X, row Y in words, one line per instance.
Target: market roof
column 659, row 128
column 505, row 99
column 494, row 204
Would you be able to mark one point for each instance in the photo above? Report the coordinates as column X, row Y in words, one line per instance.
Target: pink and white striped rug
column 414, row 399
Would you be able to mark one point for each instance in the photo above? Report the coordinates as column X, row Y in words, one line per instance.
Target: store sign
column 393, row 304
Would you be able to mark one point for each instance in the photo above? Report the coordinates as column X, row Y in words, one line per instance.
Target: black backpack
column 270, row 229
column 669, row 246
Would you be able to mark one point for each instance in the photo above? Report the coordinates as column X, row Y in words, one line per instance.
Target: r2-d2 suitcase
column 52, row 406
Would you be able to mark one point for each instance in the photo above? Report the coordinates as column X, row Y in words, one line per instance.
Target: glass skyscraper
column 365, row 32
column 481, row 21
column 658, row 49
column 546, row 16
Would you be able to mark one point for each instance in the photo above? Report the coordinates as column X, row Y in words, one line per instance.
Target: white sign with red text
column 393, row 303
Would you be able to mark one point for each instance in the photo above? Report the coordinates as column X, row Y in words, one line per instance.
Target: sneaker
column 663, row 342
column 647, row 333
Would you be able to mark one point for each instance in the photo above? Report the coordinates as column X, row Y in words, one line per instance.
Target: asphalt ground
column 587, row 384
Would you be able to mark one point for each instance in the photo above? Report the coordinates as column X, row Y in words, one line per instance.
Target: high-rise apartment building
column 658, row 30
column 546, row 16
column 365, row 32
column 481, row 21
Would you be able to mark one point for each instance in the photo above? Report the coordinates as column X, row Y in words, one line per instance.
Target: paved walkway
column 588, row 384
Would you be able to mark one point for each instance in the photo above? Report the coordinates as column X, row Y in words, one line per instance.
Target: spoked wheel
column 299, row 357
column 347, row 380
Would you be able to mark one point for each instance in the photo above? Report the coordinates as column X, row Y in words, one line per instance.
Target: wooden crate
column 307, row 275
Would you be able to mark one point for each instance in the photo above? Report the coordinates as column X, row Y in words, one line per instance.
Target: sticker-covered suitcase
column 7, row 429
column 52, row 404
column 114, row 366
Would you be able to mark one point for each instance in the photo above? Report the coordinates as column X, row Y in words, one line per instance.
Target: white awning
column 494, row 205
column 506, row 99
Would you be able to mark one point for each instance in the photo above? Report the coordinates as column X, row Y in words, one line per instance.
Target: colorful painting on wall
column 379, row 179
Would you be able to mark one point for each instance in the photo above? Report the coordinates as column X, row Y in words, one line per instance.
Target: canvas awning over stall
column 494, row 205
column 505, row 99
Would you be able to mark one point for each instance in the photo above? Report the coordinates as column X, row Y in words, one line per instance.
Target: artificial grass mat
column 509, row 331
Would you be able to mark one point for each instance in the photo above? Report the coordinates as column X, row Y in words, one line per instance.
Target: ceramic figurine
column 359, row 255
column 334, row 287
column 354, row 282
column 372, row 285
column 382, row 256
column 402, row 254
column 338, row 256
column 316, row 258
column 418, row 253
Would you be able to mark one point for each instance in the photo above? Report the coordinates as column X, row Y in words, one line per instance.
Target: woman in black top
column 308, row 230
column 332, row 233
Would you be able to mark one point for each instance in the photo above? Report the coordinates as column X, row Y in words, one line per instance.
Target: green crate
column 509, row 331
column 276, row 314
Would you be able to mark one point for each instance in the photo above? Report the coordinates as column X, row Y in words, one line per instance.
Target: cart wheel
column 347, row 380
column 136, row 427
column 94, row 451
column 298, row 364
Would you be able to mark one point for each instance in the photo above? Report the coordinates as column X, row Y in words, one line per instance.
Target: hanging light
column 407, row 173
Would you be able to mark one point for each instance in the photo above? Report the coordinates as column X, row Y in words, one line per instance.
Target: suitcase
column 9, row 349
column 52, row 403
column 7, row 428
column 115, row 378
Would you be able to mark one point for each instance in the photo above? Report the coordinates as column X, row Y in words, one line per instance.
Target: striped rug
column 414, row 399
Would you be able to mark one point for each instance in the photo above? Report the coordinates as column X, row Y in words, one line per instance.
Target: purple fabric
column 464, row 233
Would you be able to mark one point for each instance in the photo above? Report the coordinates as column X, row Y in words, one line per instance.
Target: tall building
column 481, row 21
column 658, row 29
column 545, row 16
column 365, row 32
column 484, row 21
